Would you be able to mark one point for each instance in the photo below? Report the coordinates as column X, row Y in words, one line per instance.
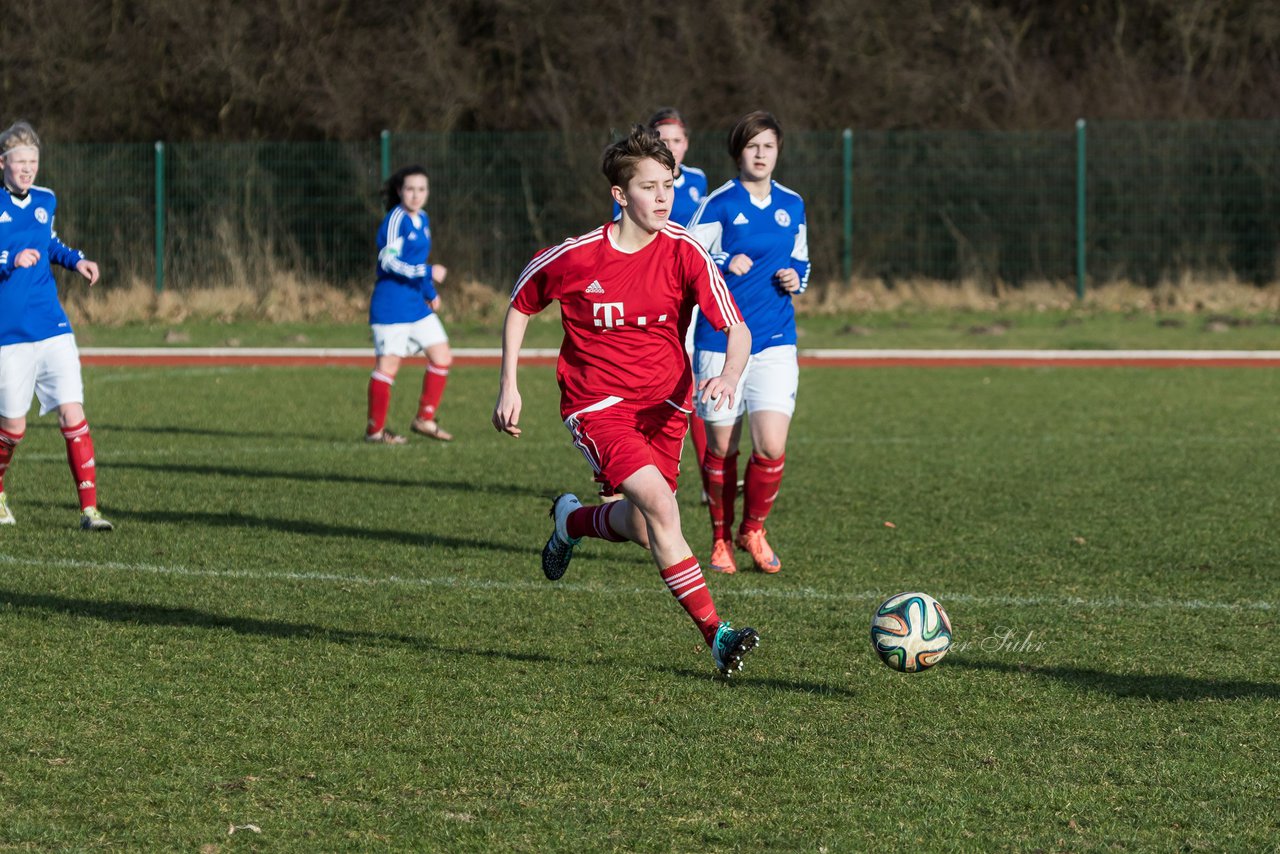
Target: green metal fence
column 1102, row 201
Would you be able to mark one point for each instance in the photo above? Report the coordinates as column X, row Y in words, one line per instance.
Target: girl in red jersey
column 627, row 291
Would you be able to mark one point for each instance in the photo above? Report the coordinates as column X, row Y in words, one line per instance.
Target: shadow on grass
column 465, row 486
column 1165, row 687
column 202, row 519
column 142, row 614
column 746, row 682
column 182, row 430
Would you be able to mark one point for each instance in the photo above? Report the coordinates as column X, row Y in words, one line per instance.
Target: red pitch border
column 179, row 357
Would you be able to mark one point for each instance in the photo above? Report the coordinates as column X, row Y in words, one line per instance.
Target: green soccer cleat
column 731, row 646
column 93, row 520
column 558, row 551
column 6, row 515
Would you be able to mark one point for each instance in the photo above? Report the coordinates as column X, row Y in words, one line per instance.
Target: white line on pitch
column 802, row 593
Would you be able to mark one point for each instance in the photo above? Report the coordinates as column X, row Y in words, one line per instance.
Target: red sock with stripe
column 593, row 522
column 8, row 445
column 721, row 477
column 685, row 582
column 433, row 383
column 83, row 467
column 760, row 490
column 379, row 401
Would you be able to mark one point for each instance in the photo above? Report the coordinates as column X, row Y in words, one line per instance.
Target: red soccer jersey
column 625, row 314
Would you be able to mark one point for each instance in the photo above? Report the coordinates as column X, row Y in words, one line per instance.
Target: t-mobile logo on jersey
column 613, row 318
column 612, row 312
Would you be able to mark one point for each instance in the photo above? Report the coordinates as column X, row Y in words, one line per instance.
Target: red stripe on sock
column 721, row 477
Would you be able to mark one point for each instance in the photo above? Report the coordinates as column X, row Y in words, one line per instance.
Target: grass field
column 322, row 645
column 923, row 328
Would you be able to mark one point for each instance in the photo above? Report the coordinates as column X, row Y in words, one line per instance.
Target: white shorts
column 768, row 383
column 49, row 369
column 408, row 339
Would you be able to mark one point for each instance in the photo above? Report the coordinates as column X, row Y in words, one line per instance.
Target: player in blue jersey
column 402, row 312
column 38, row 354
column 754, row 228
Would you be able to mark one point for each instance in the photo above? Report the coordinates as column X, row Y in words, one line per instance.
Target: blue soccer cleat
column 731, row 646
column 558, row 551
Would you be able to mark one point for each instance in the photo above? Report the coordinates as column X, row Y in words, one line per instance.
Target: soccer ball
column 910, row 632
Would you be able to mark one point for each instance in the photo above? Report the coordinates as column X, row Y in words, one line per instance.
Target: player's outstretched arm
column 506, row 412
column 721, row 389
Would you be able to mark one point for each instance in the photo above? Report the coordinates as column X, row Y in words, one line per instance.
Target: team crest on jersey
column 694, row 194
column 413, row 236
column 595, row 288
column 42, row 216
column 782, row 218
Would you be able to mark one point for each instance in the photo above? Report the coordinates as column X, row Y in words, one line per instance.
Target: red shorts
column 620, row 437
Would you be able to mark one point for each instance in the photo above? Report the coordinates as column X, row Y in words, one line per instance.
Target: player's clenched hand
column 740, row 265
column 435, row 303
column 27, row 258
column 506, row 413
column 718, row 390
column 788, row 279
column 438, row 272
column 89, row 270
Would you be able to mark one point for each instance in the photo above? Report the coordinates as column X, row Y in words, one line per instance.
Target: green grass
column 352, row 647
column 914, row 328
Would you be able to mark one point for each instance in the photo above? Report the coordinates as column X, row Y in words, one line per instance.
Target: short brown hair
column 623, row 157
column 748, row 127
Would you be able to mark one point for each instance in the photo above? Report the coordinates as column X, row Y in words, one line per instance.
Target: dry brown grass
column 1187, row 295
column 288, row 298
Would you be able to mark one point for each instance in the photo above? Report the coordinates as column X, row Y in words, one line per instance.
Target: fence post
column 1081, row 267
column 160, row 196
column 386, row 156
column 847, row 255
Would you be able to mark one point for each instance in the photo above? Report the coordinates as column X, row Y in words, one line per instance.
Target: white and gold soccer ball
column 910, row 632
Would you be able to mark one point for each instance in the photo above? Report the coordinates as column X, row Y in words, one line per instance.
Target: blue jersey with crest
column 404, row 286
column 773, row 234
column 690, row 189
column 29, row 306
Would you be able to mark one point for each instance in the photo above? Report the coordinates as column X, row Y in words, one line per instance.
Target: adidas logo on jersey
column 4, row 217
column 740, row 219
column 595, row 288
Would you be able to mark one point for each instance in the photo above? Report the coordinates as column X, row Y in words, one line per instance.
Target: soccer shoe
column 722, row 557
column 92, row 520
column 731, row 646
column 429, row 428
column 6, row 515
column 558, row 551
column 757, row 546
column 384, row 437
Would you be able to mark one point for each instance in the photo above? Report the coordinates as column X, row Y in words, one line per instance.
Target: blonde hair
column 19, row 134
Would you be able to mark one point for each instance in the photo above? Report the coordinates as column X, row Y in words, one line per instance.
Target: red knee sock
column 698, row 432
column 764, row 478
column 593, row 522
column 8, row 445
column 721, row 476
column 379, row 400
column 83, row 468
column 433, row 383
column 685, row 582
